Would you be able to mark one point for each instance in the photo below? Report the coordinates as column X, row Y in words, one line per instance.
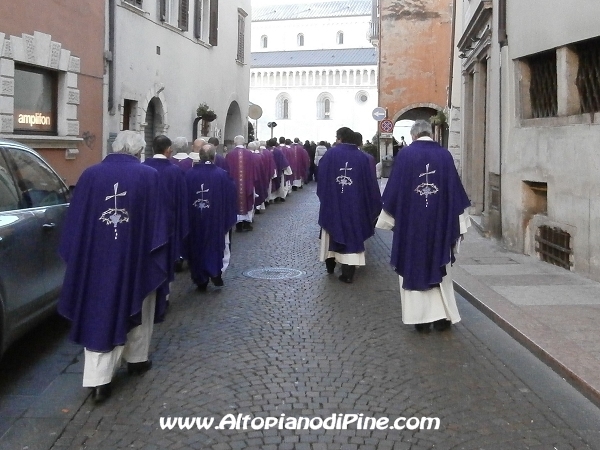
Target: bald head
column 198, row 144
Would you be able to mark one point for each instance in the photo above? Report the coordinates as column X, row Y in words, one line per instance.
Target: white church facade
column 313, row 69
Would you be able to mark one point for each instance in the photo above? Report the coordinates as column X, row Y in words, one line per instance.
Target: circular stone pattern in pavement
column 274, row 273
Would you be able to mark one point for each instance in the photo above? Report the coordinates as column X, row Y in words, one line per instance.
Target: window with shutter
column 241, row 28
column 184, row 7
column 162, row 10
column 214, row 23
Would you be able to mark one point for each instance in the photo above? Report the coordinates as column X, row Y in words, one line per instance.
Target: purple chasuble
column 290, row 155
column 184, row 164
column 212, row 213
column 241, row 164
column 114, row 245
column 221, row 162
column 261, row 183
column 425, row 196
column 302, row 162
column 350, row 198
column 271, row 167
column 173, row 194
column 281, row 163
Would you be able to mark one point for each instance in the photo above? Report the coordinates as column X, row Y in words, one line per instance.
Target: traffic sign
column 386, row 126
column 379, row 113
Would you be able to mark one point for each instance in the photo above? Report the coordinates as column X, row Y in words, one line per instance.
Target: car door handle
column 49, row 226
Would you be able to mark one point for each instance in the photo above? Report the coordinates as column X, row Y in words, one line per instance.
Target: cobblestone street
column 312, row 346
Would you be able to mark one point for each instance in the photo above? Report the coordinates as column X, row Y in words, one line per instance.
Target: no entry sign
column 386, row 126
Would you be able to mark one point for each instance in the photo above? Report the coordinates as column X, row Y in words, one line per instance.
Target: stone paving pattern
column 312, row 346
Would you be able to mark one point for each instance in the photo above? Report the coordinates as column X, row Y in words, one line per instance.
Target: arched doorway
column 153, row 124
column 430, row 114
column 234, row 125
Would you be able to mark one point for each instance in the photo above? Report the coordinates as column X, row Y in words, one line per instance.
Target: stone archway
column 425, row 111
column 234, row 125
column 153, row 124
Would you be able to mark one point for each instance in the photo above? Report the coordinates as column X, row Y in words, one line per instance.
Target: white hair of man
column 239, row 140
column 198, row 144
column 252, row 146
column 420, row 128
column 129, row 142
column 263, row 144
column 179, row 145
column 207, row 153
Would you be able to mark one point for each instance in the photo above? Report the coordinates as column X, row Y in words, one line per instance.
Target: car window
column 38, row 184
column 9, row 197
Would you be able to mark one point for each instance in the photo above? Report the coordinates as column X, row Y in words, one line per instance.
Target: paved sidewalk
column 551, row 311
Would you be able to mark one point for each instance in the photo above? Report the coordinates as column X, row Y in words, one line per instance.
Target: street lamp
column 272, row 125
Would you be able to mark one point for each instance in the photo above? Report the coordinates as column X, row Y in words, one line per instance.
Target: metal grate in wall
column 588, row 75
column 543, row 90
column 553, row 246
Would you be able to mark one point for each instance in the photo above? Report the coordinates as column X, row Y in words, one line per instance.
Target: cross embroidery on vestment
column 115, row 215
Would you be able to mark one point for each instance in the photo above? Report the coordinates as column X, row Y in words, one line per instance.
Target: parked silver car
column 33, row 207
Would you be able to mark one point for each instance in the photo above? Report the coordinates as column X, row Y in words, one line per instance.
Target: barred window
column 588, row 75
column 543, row 90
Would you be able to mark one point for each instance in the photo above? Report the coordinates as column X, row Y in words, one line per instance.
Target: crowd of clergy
column 131, row 226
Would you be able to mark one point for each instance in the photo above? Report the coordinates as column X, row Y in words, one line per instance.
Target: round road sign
column 378, row 113
column 386, row 126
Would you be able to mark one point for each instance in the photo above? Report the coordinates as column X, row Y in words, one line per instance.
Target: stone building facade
column 169, row 56
column 51, row 80
column 530, row 126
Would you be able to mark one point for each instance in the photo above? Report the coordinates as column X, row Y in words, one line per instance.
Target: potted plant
column 207, row 114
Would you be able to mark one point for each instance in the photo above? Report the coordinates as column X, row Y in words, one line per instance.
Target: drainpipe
column 111, row 62
column 503, row 41
column 451, row 75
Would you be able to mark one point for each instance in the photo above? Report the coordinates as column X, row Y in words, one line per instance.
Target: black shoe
column 256, row 211
column 347, row 273
column 202, row 287
column 101, row 393
column 139, row 368
column 239, row 227
column 266, row 204
column 277, row 200
column 345, row 279
column 442, row 324
column 282, row 199
column 247, row 226
column 179, row 265
column 217, row 281
column 294, row 188
column 300, row 187
column 423, row 327
column 330, row 265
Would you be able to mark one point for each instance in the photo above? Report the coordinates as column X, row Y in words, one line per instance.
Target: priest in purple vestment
column 424, row 202
column 212, row 213
column 179, row 155
column 278, row 190
column 241, row 163
column 114, row 245
column 350, row 203
column 173, row 194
